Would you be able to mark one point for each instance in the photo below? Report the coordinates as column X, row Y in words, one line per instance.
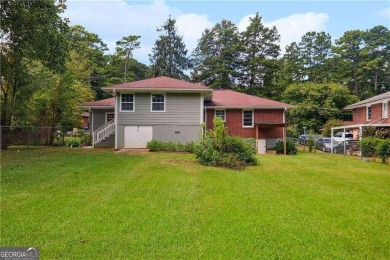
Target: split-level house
column 373, row 111
column 168, row 109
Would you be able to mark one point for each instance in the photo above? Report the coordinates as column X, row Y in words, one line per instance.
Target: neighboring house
column 85, row 122
column 168, row 109
column 373, row 111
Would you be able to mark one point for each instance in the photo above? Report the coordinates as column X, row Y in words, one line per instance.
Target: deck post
column 257, row 138
column 284, row 141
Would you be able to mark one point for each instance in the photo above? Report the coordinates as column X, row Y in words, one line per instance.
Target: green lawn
column 83, row 203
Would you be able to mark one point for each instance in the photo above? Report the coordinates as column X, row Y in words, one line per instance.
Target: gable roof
column 231, row 99
column 159, row 83
column 369, row 100
column 104, row 103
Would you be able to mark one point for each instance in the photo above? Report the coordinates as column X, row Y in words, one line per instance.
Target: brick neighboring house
column 248, row 116
column 168, row 109
column 373, row 111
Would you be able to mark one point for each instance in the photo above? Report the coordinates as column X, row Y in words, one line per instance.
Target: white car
column 342, row 136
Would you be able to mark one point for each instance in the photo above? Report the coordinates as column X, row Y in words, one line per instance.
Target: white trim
column 246, row 108
column 376, row 102
column 253, row 118
column 120, row 102
column 385, row 112
column 106, row 121
column 202, row 111
column 284, row 115
column 116, row 118
column 368, row 107
column 148, row 90
column 360, row 125
column 224, row 111
column 151, row 102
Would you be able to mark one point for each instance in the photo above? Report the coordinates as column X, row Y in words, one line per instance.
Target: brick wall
column 360, row 116
column 234, row 123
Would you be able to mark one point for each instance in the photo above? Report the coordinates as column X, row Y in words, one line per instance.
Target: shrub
column 156, row 146
column 86, row 139
column 72, row 143
column 290, row 147
column 369, row 146
column 217, row 148
column 383, row 150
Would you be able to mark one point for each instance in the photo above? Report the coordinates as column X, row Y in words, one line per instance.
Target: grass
column 82, row 203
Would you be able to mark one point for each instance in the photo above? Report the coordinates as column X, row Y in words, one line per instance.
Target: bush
column 326, row 128
column 383, row 150
column 217, row 148
column 292, row 132
column 86, row 139
column 72, row 143
column 369, row 146
column 155, row 146
column 290, row 147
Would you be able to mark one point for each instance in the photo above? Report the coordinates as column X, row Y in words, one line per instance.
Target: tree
column 169, row 57
column 258, row 56
column 31, row 30
column 56, row 99
column 217, row 56
column 377, row 47
column 87, row 60
column 114, row 70
column 315, row 49
column 316, row 103
column 349, row 49
column 125, row 48
column 308, row 59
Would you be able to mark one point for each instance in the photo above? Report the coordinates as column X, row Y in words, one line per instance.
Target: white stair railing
column 103, row 132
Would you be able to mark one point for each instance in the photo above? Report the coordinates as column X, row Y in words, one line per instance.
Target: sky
column 114, row 19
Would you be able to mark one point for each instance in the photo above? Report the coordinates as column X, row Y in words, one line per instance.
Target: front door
column 137, row 136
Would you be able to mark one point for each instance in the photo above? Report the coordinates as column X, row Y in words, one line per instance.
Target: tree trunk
column 4, row 137
column 376, row 81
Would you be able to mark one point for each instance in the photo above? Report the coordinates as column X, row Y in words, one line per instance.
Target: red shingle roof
column 160, row 83
column 230, row 98
column 220, row 98
column 108, row 102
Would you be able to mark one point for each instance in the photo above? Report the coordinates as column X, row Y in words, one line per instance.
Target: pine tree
column 125, row 49
column 169, row 57
column 258, row 56
column 217, row 56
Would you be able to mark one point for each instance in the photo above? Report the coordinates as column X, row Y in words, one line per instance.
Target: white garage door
column 137, row 136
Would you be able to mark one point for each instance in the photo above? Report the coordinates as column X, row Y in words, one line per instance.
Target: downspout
column 284, row 132
column 116, row 119
column 92, row 133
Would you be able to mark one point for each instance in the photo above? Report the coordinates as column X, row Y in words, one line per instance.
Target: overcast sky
column 112, row 20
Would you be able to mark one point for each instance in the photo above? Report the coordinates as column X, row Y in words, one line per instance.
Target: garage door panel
column 137, row 136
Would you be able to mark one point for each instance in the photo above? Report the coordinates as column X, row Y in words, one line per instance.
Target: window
column 109, row 117
column 385, row 110
column 247, row 118
column 127, row 102
column 158, row 103
column 221, row 114
column 368, row 113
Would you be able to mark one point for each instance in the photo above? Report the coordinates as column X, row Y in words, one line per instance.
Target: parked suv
column 342, row 136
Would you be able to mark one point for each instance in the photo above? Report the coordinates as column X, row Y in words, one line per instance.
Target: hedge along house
column 168, row 109
column 249, row 116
